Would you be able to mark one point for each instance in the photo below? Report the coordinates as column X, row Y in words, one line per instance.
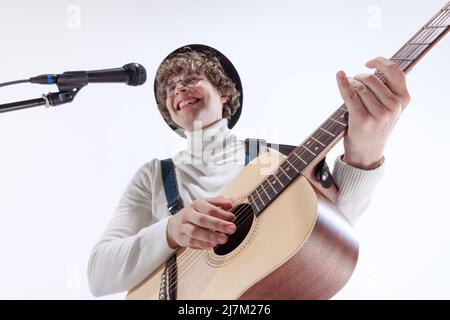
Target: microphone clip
column 69, row 84
column 70, row 80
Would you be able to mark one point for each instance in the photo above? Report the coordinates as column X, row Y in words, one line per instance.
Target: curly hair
column 205, row 63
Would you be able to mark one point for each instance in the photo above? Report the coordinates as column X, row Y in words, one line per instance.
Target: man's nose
column 181, row 88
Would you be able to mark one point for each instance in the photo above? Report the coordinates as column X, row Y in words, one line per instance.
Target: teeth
column 185, row 102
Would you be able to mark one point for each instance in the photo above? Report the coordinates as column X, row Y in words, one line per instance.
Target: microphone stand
column 69, row 84
column 50, row 99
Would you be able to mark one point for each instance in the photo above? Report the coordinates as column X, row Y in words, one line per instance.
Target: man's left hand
column 374, row 108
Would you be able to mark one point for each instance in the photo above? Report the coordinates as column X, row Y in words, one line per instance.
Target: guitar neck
column 332, row 130
column 424, row 40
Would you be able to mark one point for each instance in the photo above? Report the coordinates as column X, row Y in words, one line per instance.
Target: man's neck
column 209, row 145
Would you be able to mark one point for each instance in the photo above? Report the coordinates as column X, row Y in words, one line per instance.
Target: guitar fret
column 403, row 65
column 327, row 132
column 437, row 19
column 406, row 52
column 281, row 168
column 260, row 197
column 418, row 43
column 300, row 158
column 428, row 35
column 292, row 166
column 340, row 115
column 278, row 180
column 401, row 59
column 342, row 124
column 254, row 202
column 271, row 185
column 309, row 151
column 317, row 141
column 438, row 16
column 343, row 107
column 262, row 185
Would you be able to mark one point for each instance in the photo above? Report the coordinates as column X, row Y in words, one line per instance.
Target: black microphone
column 132, row 74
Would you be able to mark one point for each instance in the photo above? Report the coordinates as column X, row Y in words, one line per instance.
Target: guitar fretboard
column 330, row 131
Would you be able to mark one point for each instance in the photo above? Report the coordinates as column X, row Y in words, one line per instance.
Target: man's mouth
column 186, row 103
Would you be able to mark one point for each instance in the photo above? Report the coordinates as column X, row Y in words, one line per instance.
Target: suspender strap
column 174, row 202
column 253, row 148
column 168, row 286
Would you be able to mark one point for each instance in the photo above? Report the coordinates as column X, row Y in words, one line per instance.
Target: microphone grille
column 137, row 74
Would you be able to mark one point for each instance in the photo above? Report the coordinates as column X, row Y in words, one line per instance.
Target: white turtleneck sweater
column 135, row 243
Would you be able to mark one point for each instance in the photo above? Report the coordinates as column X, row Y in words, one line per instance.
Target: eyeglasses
column 188, row 80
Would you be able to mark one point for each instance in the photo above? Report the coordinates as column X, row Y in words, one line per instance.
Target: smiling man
column 187, row 106
column 199, row 94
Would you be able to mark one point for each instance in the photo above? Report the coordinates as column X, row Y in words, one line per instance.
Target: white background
column 62, row 171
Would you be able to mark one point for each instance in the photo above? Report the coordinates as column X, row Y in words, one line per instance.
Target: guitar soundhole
column 244, row 219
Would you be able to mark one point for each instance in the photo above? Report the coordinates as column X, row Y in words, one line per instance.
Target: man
column 199, row 94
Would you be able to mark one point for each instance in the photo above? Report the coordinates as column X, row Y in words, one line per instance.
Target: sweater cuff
column 154, row 245
column 354, row 182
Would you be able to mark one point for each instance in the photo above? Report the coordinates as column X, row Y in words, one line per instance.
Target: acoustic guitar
column 291, row 241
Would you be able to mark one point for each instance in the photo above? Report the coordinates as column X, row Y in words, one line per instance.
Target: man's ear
column 223, row 99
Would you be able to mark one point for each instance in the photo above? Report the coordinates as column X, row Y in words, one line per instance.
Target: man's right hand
column 202, row 225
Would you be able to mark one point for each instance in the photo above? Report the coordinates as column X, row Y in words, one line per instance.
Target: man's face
column 190, row 98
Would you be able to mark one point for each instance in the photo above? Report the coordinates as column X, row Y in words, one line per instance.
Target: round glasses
column 188, row 80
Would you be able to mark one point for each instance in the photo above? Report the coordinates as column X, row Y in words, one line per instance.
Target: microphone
column 132, row 74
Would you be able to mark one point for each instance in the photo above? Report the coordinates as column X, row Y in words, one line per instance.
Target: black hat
column 228, row 67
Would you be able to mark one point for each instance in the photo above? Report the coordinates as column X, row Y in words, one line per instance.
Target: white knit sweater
column 134, row 243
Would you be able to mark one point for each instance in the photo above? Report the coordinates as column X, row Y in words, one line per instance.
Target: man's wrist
column 368, row 164
column 172, row 244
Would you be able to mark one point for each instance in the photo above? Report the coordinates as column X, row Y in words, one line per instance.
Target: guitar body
column 299, row 247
